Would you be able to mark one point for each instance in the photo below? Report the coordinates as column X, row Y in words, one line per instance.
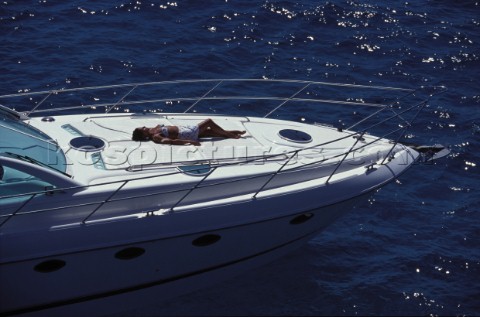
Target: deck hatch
column 195, row 170
column 72, row 130
column 87, row 143
column 293, row 135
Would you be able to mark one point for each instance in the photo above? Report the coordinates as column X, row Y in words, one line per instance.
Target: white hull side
column 96, row 279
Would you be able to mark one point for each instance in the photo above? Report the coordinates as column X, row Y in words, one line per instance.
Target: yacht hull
column 94, row 219
column 92, row 281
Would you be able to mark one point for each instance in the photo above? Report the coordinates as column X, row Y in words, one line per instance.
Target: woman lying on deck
column 183, row 135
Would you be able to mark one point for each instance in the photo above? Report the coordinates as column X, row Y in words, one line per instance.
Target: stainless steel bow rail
column 225, row 92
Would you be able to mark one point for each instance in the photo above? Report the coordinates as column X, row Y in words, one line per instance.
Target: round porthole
column 295, row 136
column 205, row 240
column 129, row 253
column 301, row 218
column 87, row 143
column 49, row 266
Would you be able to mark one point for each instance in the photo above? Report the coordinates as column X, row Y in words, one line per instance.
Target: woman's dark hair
column 138, row 135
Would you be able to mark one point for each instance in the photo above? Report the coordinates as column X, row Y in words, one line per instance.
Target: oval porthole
column 129, row 253
column 301, row 218
column 49, row 266
column 205, row 240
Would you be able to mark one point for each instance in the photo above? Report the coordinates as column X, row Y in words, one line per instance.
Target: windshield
column 20, row 138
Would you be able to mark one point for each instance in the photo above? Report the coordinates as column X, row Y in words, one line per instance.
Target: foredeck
column 220, row 164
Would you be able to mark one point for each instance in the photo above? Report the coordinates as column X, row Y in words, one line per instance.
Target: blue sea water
column 414, row 248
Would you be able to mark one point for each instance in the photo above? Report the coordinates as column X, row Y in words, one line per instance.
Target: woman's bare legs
column 208, row 128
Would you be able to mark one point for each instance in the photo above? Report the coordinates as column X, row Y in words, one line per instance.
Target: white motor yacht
column 89, row 216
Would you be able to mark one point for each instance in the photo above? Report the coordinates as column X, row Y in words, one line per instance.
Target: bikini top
column 164, row 130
